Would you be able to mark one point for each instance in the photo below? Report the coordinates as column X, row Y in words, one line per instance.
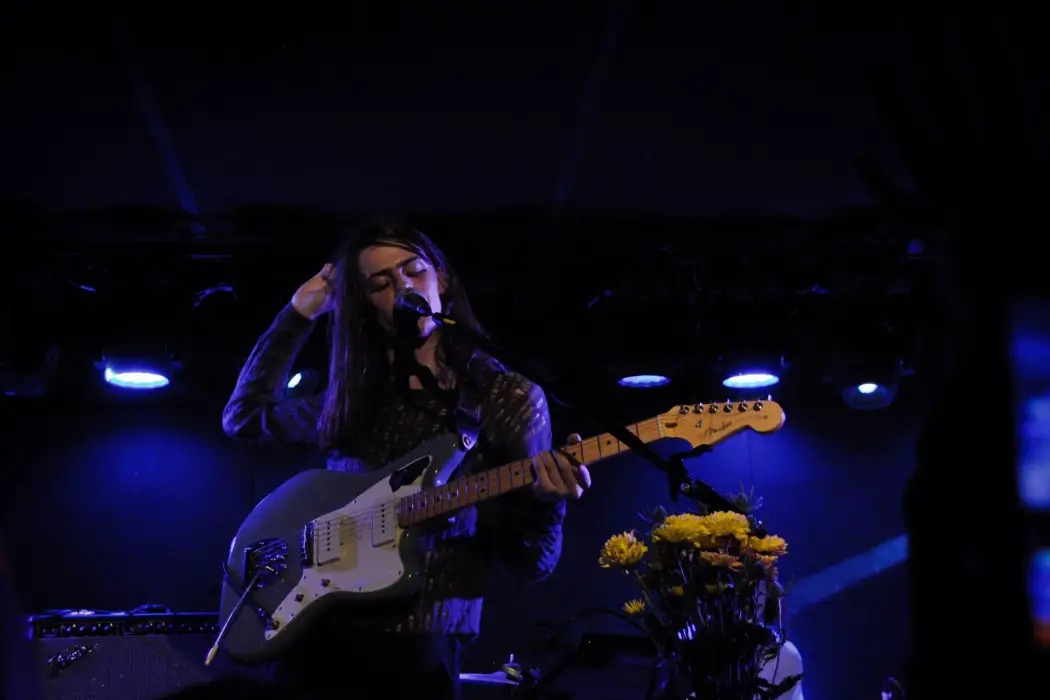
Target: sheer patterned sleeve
column 258, row 410
column 526, row 534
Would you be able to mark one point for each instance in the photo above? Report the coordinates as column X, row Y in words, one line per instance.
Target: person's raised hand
column 314, row 297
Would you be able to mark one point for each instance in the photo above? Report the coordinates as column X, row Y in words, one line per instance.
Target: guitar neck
column 468, row 490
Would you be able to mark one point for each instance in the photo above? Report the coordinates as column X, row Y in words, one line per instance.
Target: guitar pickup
column 328, row 540
column 384, row 524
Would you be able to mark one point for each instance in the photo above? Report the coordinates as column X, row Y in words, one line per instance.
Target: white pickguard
column 356, row 549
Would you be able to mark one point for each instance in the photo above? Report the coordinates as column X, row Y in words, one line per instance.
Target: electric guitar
column 326, row 537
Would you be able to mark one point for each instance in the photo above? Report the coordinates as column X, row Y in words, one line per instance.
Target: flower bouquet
column 709, row 590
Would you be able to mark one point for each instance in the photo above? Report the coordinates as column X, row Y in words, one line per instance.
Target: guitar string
column 367, row 514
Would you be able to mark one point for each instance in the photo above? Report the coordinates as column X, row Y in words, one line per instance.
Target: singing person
column 367, row 418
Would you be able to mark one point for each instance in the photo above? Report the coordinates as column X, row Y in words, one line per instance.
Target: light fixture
column 138, row 372
column 755, row 379
column 870, row 396
column 137, row 378
column 743, row 372
column 868, row 372
column 644, row 381
column 303, row 382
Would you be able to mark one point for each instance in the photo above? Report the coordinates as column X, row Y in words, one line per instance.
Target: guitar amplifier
column 85, row 656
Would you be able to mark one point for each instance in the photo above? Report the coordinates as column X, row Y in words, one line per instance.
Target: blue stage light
column 750, row 380
column 644, row 381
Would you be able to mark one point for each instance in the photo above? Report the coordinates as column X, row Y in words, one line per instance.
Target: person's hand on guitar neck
column 559, row 476
column 314, row 297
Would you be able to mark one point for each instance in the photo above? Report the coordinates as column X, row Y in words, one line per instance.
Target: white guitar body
column 325, row 538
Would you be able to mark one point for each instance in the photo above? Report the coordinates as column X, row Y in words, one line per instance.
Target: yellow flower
column 676, row 591
column 676, row 529
column 727, row 561
column 633, row 607
column 716, row 588
column 622, row 551
column 727, row 524
column 771, row 545
column 767, row 560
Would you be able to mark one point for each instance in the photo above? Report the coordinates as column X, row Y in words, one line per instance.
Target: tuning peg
column 742, row 407
column 728, row 408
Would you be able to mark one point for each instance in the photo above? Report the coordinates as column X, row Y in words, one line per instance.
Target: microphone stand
column 678, row 480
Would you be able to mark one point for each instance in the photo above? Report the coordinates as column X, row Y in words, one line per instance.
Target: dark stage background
column 132, row 500
column 626, row 187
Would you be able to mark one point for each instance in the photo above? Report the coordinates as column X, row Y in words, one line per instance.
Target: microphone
column 413, row 303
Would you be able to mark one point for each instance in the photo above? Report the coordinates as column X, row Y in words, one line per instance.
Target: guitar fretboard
column 474, row 488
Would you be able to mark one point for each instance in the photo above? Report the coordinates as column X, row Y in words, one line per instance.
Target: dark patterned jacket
column 521, row 532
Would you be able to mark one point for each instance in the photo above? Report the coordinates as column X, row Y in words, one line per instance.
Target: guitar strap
column 467, row 415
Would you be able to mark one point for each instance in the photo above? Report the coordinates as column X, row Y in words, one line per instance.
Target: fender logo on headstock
column 715, row 430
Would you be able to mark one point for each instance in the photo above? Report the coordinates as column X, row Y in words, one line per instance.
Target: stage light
column 743, row 369
column 644, row 381
column 869, row 371
column 750, row 380
column 303, row 382
column 138, row 372
column 870, row 396
column 135, row 379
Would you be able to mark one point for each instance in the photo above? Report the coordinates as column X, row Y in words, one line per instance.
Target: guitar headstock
column 711, row 423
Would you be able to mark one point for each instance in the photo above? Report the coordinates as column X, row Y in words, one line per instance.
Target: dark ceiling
column 618, row 106
column 593, row 167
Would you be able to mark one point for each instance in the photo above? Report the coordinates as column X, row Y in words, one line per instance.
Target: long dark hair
column 359, row 369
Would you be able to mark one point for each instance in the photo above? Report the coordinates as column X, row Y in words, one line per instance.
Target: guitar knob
column 757, row 406
column 742, row 407
column 712, row 409
column 683, row 410
column 728, row 408
column 699, row 408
